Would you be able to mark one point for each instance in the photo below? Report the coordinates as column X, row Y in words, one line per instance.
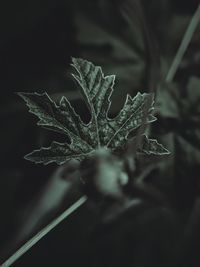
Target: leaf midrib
column 116, row 133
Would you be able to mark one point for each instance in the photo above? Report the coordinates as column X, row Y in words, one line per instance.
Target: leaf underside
column 101, row 131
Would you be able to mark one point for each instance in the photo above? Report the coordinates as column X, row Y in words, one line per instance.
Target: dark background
column 136, row 40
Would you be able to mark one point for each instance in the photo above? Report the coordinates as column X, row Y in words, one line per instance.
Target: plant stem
column 184, row 45
column 30, row 243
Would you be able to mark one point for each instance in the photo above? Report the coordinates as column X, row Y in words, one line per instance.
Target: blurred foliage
column 136, row 40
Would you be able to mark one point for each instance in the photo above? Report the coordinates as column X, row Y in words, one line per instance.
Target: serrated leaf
column 95, row 87
column 101, row 131
column 152, row 147
column 58, row 153
column 131, row 117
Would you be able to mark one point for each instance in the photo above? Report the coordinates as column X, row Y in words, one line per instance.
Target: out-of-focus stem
column 30, row 243
column 184, row 45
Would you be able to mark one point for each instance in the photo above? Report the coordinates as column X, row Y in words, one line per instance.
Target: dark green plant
column 52, row 117
column 112, row 134
column 101, row 131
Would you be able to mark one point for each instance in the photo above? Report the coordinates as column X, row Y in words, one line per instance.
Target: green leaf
column 152, row 147
column 101, row 131
column 59, row 153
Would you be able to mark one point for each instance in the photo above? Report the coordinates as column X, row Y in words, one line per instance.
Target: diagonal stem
column 184, row 45
column 35, row 239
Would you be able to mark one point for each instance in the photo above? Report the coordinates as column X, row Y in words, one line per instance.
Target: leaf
column 101, row 131
column 59, row 153
column 152, row 147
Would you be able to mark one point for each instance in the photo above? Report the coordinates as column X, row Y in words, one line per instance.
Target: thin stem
column 30, row 243
column 184, row 45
